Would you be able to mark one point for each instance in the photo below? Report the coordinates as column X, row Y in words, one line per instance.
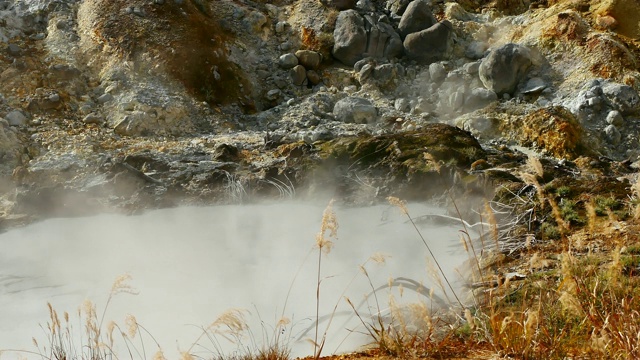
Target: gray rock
column 365, row 5
column 355, row 110
column 16, row 118
column 365, row 72
column 361, row 63
column 437, row 72
column 612, row 134
column 298, row 75
column 479, row 98
column 615, row 118
column 385, row 74
column 534, row 85
column 287, row 61
column 623, row 97
column 402, row 104
column 397, row 7
column 471, row 68
column 286, row 46
column 104, row 98
column 505, row 68
column 309, row 59
column 430, row 45
column 340, row 4
column 350, row 37
column 254, row 21
column 281, row 27
column 274, row 94
column 93, row 118
column 417, row 17
column 54, row 98
column 388, row 42
column 14, row 50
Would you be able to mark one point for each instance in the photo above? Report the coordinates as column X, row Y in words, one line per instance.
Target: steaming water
column 191, row 264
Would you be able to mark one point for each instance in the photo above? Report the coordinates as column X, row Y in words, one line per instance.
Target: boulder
column 417, row 17
column 357, row 37
column 309, row 59
column 505, row 67
column 350, row 37
column 287, row 61
column 355, row 110
column 429, row 45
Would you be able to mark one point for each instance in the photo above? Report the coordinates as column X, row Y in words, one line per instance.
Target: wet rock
column 505, row 68
column 309, row 59
column 287, row 61
column 430, row 45
column 16, row 118
column 350, row 37
column 298, row 75
column 355, row 110
column 417, row 17
column 623, row 97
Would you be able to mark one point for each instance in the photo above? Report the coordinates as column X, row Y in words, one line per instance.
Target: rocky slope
column 111, row 105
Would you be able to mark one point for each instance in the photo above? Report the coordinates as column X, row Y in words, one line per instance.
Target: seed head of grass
column 400, row 204
column 159, row 355
column 121, row 285
column 132, row 326
column 328, row 229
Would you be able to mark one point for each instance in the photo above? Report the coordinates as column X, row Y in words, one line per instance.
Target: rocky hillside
column 111, row 105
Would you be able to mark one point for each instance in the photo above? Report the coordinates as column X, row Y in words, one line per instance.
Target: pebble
column 54, row 98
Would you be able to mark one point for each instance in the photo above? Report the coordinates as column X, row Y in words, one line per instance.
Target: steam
column 191, row 264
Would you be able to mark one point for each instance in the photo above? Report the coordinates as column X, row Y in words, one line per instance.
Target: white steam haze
column 191, row 264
